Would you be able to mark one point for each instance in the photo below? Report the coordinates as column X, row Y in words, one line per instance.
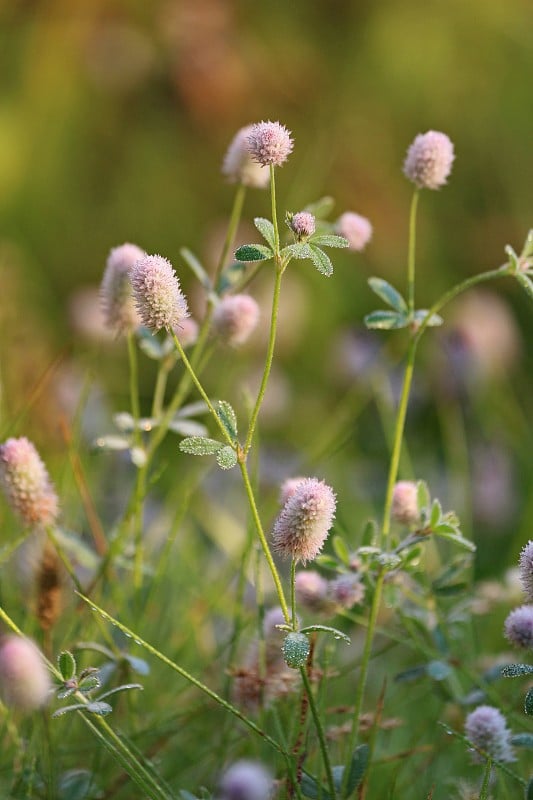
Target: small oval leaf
column 329, row 240
column 321, row 261
column 386, row 320
column 200, row 446
column 388, row 294
column 266, row 229
column 528, row 702
column 99, row 708
column 253, row 252
column 66, row 664
column 226, row 457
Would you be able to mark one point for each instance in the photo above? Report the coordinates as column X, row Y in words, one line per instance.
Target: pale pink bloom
column 24, row 678
column 519, row 627
column 288, row 487
column 486, row 728
column 303, row 225
column 356, row 228
column 116, row 291
column 26, row 483
column 187, row 332
column 525, row 567
column 270, row 143
column 159, row 299
column 246, row 780
column 405, row 503
column 304, row 521
column 346, row 591
column 235, row 318
column 429, row 160
column 239, row 166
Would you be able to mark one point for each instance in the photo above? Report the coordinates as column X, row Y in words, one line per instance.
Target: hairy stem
column 320, row 732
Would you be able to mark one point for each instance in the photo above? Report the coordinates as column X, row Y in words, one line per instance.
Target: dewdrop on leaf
column 429, row 160
column 486, row 728
column 24, row 678
column 519, row 627
column 239, row 166
column 116, row 292
column 405, row 503
column 235, row 318
column 525, row 568
column 26, row 483
column 304, row 521
column 246, row 780
column 270, row 143
column 158, row 295
column 356, row 228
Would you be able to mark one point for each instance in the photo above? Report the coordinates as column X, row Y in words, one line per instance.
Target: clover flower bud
column 246, row 780
column 288, row 487
column 519, row 627
column 116, row 292
column 24, row 679
column 235, row 318
column 311, row 590
column 304, row 521
column 429, row 160
column 158, row 296
column 346, row 591
column 302, row 224
column 356, row 228
column 486, row 729
column 26, row 483
column 405, row 503
column 239, row 166
column 270, row 143
column 187, row 332
column 525, row 569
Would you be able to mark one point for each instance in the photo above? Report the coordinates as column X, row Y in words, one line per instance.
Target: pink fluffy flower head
column 304, row 521
column 270, row 143
column 235, row 318
column 26, row 483
column 487, row 729
column 429, row 160
column 158, row 295
column 288, row 487
column 239, row 166
column 246, row 780
column 116, row 291
column 311, row 590
column 405, row 502
column 519, row 627
column 346, row 591
column 525, row 569
column 24, row 679
column 356, row 228
column 303, row 225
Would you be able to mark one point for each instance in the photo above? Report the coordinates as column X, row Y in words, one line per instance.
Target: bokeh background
column 114, row 119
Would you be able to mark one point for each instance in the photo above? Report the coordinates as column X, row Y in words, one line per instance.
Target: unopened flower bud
column 525, row 568
column 24, row 678
column 405, row 503
column 246, row 780
column 305, row 520
column 356, row 228
column 302, row 224
column 158, row 295
column 239, row 166
column 235, row 318
column 116, row 291
column 26, row 483
column 429, row 160
column 270, row 143
column 519, row 627
column 486, row 728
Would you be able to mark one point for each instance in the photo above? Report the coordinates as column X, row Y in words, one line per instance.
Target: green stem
column 264, row 543
column 320, row 732
column 293, row 594
column 274, row 209
column 412, row 252
column 484, row 793
column 134, row 388
column 159, row 391
column 234, row 220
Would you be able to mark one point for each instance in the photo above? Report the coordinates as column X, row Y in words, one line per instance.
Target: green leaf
column 529, row 790
column 67, row 709
column 99, row 708
column 327, row 561
column 458, row 539
column 89, row 684
column 321, row 261
column 226, row 457
column 523, row 740
column 300, row 250
column 66, row 663
column 516, row 670
column 525, row 282
column 230, row 275
column 528, row 702
column 253, row 252
column 388, row 294
column 436, row 514
column 188, row 428
column 513, row 258
column 370, row 532
column 137, row 664
column 420, row 315
column 266, row 229
column 227, row 416
column 125, row 687
column 329, row 240
column 312, row 788
column 196, row 268
column 341, row 549
column 200, row 446
column 62, row 694
column 358, row 767
column 150, row 344
column 411, row 674
column 326, row 629
column 386, row 320
column 422, row 495
column 438, row 670
column 321, row 208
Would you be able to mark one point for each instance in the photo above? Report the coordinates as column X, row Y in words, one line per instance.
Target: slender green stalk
column 412, row 252
column 320, row 732
column 484, row 793
column 293, row 594
column 274, row 209
column 134, row 387
column 159, row 390
column 264, row 543
column 234, row 220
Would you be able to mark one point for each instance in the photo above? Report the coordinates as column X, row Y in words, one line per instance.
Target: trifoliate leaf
column 227, row 416
column 388, row 294
column 200, row 446
column 253, row 252
column 266, row 229
column 321, row 261
column 329, row 240
column 386, row 320
column 66, row 664
column 226, row 457
column 89, row 684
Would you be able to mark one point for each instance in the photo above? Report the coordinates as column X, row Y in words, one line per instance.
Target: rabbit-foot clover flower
column 239, row 166
column 429, row 160
column 302, row 224
column 405, row 502
column 26, row 483
column 525, row 570
column 24, row 679
column 288, row 487
column 519, row 627
column 246, row 780
column 116, row 291
column 311, row 590
column 486, row 728
column 304, row 521
column 235, row 318
column 158, row 296
column 270, row 143
column 346, row 591
column 356, row 228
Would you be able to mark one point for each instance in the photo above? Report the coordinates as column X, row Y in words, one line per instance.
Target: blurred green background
column 114, row 119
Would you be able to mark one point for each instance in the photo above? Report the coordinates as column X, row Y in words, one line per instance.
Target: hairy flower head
column 26, row 483
column 302, row 224
column 486, row 728
column 356, row 228
column 24, row 679
column 158, row 295
column 429, row 160
column 270, row 143
column 346, row 591
column 235, row 318
column 239, row 166
column 288, row 487
column 525, row 569
column 246, row 780
column 519, row 627
column 405, row 502
column 305, row 520
column 116, row 292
